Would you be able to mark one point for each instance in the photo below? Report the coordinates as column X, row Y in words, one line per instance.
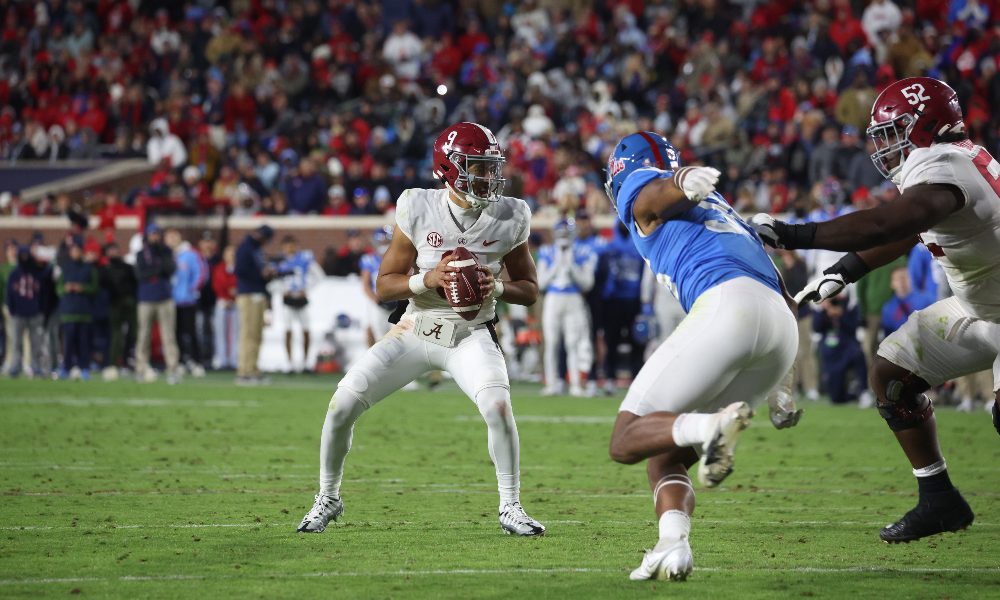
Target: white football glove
column 766, row 227
column 696, row 182
column 825, row 286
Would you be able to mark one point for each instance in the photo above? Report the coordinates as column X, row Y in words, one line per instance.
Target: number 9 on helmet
column 468, row 160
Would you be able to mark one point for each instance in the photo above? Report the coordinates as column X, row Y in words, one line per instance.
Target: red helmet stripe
column 656, row 150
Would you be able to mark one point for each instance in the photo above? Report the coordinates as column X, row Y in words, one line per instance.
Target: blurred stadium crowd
column 328, row 106
column 271, row 107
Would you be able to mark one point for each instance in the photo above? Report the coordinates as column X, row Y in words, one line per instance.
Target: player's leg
column 935, row 344
column 552, row 330
column 579, row 351
column 166, row 315
column 683, row 375
column 386, row 367
column 995, row 410
column 478, row 368
column 304, row 323
column 145, row 313
column 760, row 345
column 674, row 502
column 287, row 318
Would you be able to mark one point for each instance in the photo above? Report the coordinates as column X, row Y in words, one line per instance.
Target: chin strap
column 474, row 201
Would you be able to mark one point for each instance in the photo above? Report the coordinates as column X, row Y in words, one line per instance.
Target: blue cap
column 153, row 228
column 265, row 232
column 636, row 151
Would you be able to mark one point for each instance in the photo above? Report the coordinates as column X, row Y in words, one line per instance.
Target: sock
column 675, row 525
column 502, row 441
column 693, row 429
column 335, row 443
column 933, row 478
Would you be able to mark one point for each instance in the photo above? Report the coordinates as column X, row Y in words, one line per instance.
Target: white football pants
column 475, row 363
column 736, row 344
column 566, row 319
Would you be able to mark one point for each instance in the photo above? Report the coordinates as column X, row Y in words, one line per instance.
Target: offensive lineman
column 738, row 341
column 469, row 211
column 951, row 202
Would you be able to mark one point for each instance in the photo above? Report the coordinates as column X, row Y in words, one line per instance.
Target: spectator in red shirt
column 240, row 110
column 336, row 202
column 226, row 321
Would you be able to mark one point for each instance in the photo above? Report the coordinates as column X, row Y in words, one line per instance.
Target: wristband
column 417, row 284
column 850, row 266
column 498, row 288
column 794, row 237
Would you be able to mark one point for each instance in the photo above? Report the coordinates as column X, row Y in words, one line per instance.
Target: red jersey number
column 989, row 168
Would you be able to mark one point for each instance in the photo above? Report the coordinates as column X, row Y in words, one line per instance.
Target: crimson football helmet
column 468, row 159
column 911, row 113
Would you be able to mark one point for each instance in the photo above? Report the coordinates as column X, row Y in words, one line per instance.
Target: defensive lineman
column 469, row 211
column 951, row 202
column 737, row 342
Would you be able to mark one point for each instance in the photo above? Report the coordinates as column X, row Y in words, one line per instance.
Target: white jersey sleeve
column 524, row 215
column 967, row 243
column 403, row 214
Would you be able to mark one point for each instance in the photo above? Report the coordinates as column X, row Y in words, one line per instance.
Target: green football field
column 194, row 491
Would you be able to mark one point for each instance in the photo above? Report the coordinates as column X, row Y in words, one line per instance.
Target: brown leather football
column 464, row 295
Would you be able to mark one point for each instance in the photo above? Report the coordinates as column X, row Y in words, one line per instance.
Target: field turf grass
column 194, row 491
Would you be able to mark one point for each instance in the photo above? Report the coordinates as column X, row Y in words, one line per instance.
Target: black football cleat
column 937, row 513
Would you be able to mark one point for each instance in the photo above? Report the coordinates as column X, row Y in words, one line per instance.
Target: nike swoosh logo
column 490, row 243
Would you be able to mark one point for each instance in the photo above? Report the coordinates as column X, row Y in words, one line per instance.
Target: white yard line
column 462, row 572
column 383, row 523
column 488, row 488
column 133, row 402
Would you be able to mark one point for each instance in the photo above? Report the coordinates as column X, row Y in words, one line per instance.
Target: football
column 464, row 294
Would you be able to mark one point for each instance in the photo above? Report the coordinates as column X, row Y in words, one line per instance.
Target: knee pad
column 902, row 405
column 494, row 404
column 350, row 400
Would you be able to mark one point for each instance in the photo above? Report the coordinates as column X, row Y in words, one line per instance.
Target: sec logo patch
column 434, row 239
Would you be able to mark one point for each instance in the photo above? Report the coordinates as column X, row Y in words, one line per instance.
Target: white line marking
column 132, row 402
column 459, row 572
column 552, row 419
column 381, row 523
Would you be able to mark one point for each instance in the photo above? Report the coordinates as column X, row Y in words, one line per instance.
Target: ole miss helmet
column 468, row 160
column 641, row 149
column 912, row 113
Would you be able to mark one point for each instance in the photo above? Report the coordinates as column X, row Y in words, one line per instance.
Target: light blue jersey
column 562, row 283
column 371, row 262
column 298, row 265
column 699, row 248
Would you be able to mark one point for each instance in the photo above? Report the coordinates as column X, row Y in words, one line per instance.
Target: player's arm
column 394, row 280
column 918, row 209
column 522, row 287
column 851, row 267
column 583, row 273
column 546, row 271
column 366, row 284
column 664, row 198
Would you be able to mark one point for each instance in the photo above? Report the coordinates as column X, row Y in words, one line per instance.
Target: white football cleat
column 513, row 520
column 717, row 453
column 783, row 411
column 325, row 509
column 553, row 390
column 669, row 559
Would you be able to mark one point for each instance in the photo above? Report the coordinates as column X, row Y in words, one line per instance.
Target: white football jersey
column 424, row 216
column 967, row 242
